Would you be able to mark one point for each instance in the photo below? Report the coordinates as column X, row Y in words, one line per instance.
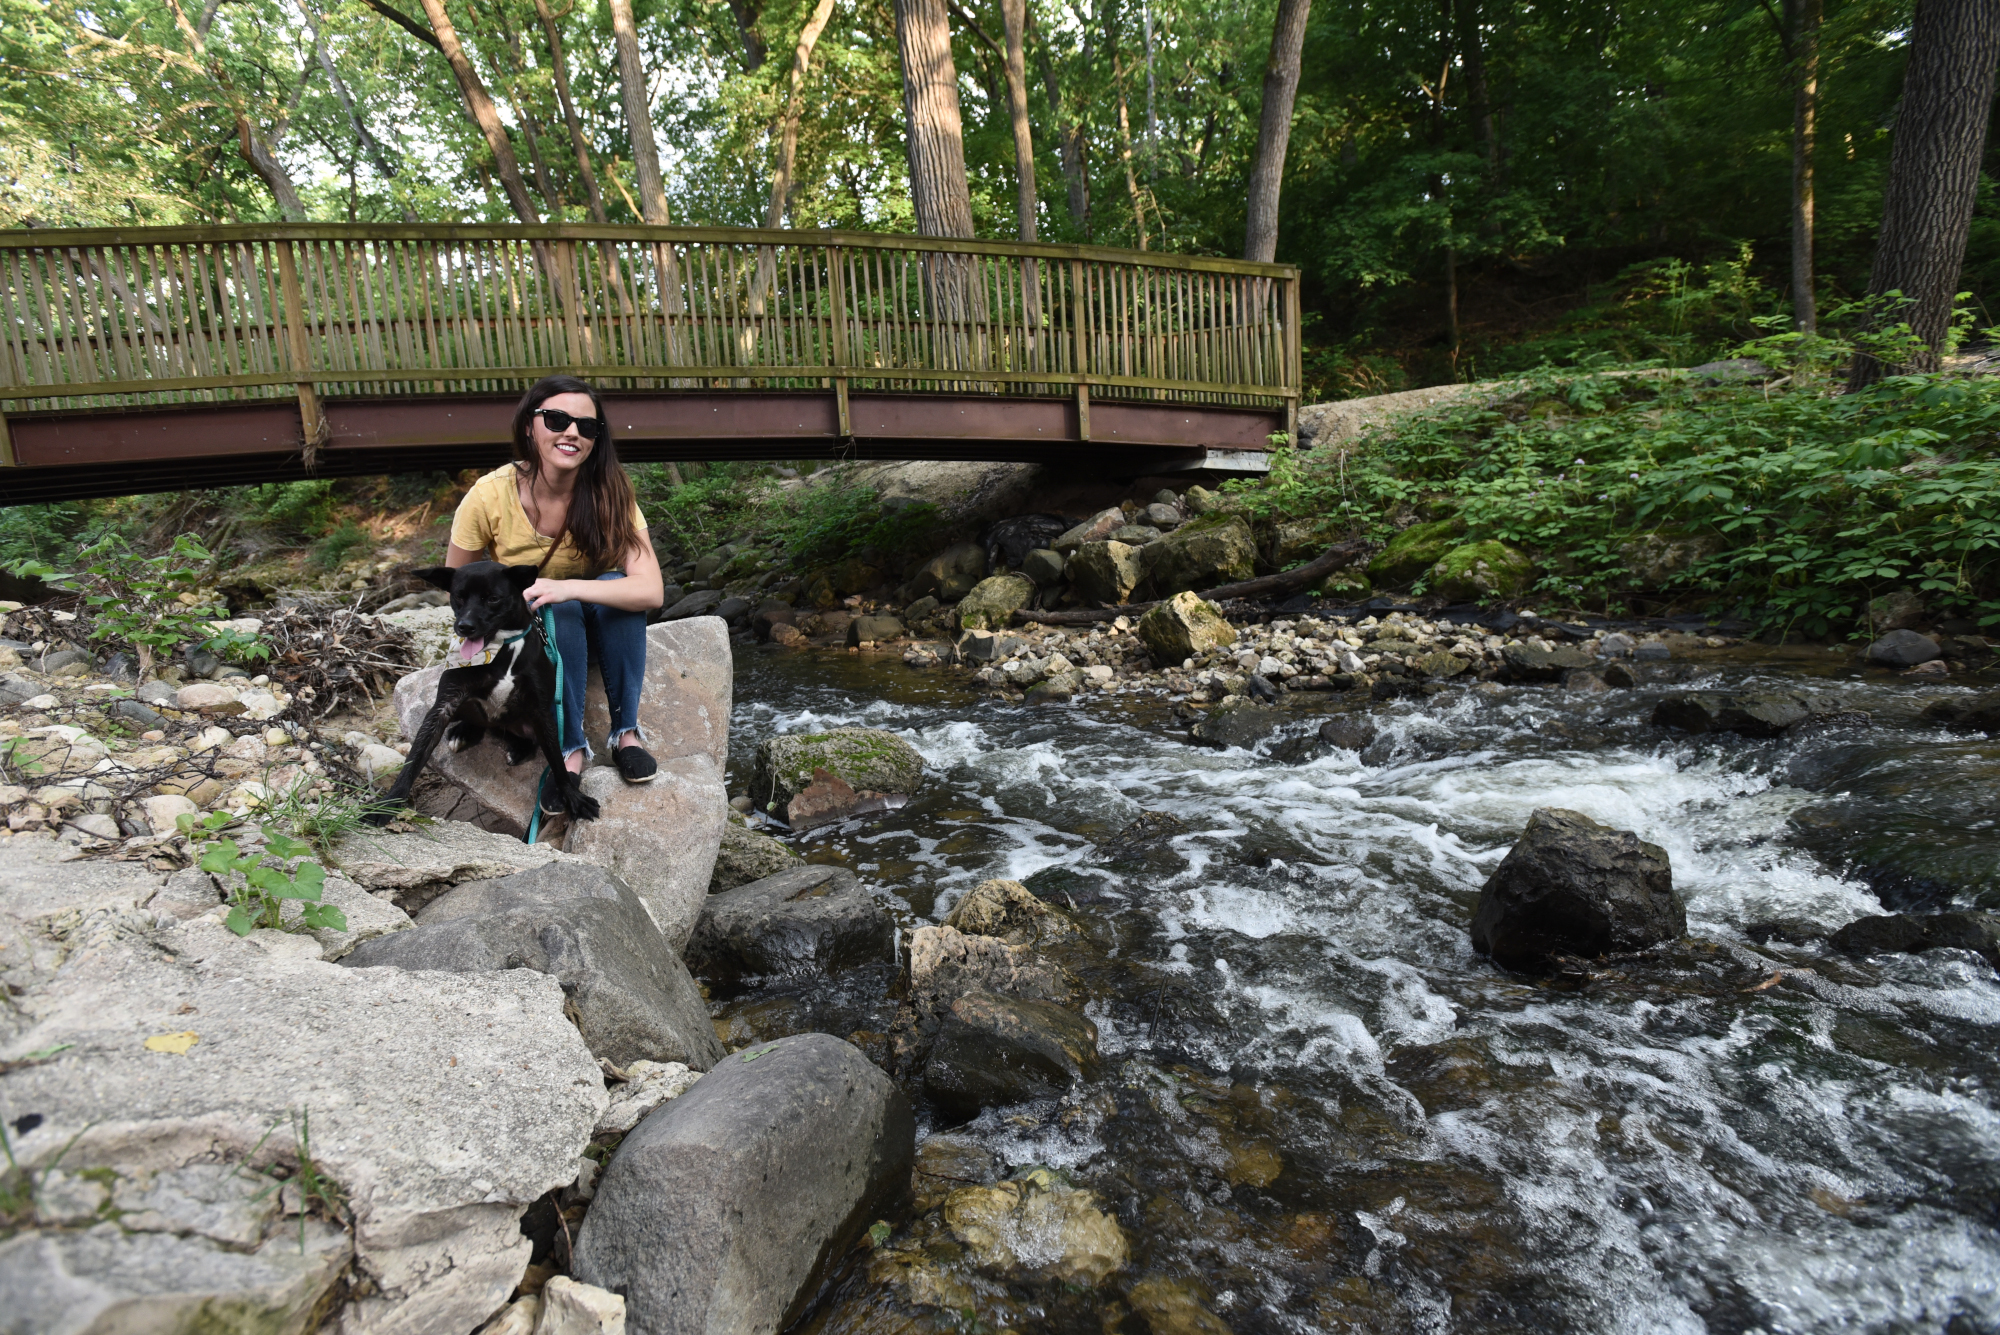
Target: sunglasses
column 558, row 421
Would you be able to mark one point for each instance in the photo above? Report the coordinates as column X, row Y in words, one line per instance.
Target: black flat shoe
column 634, row 765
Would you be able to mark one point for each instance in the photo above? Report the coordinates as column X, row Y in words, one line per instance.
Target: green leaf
column 239, row 922
column 220, row 857
column 283, row 845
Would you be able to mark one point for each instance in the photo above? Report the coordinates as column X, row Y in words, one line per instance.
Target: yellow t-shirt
column 490, row 519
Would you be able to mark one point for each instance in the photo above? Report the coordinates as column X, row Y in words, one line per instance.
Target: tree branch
column 405, row 22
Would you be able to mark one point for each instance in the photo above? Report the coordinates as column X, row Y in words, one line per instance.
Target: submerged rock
column 726, row 1209
column 1039, row 1226
column 1526, row 662
column 1183, row 627
column 993, row 1050
column 1237, row 722
column 1975, row 713
column 1748, row 713
column 1571, row 886
column 1914, row 933
column 806, row 921
column 628, row 991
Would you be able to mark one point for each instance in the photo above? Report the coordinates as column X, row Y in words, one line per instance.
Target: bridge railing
column 146, row 317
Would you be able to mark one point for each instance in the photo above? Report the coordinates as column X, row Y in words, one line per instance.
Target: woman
column 566, row 507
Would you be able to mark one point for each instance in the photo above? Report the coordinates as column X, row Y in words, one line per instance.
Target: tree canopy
column 1459, row 173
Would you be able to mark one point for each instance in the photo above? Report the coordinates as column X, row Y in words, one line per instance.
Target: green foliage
column 137, row 600
column 330, row 552
column 821, row 522
column 1792, row 505
column 259, row 900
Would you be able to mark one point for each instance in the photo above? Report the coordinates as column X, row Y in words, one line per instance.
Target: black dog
column 514, row 695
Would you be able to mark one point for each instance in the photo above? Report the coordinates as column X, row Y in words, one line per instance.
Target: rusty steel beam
column 65, row 456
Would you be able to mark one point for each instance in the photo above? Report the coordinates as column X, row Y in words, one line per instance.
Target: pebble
column 39, row 702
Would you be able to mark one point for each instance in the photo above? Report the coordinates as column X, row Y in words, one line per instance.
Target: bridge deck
column 159, row 358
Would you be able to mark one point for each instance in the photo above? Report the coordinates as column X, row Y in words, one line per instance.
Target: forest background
column 1470, row 188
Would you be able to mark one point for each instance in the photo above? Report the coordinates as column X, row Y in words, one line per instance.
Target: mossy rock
column 1214, row 548
column 1480, row 572
column 865, row 759
column 747, row 856
column 1415, row 550
column 1349, row 583
column 993, row 601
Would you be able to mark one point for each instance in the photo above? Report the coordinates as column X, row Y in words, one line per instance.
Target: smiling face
column 561, row 451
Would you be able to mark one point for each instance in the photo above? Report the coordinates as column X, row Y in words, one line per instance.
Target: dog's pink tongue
column 471, row 649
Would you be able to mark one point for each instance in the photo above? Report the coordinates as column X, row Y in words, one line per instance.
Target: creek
column 1319, row 1110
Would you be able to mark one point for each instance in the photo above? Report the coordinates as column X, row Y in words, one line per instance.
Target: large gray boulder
column 661, row 837
column 1902, row 649
column 442, row 1104
column 1214, row 549
column 631, row 996
column 809, row 921
column 725, row 1210
column 1571, row 886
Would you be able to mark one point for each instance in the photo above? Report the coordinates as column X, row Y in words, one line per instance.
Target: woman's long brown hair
column 600, row 512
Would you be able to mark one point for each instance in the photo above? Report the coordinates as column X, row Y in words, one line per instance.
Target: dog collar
column 488, row 654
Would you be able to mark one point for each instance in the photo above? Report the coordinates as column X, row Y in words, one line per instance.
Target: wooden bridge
column 157, row 359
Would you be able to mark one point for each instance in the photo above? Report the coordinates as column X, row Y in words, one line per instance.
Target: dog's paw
column 454, row 738
column 378, row 816
column 582, row 806
column 519, row 749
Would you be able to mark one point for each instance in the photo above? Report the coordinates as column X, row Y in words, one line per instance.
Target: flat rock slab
column 1914, row 933
column 725, row 1209
column 412, row 869
column 631, row 996
column 443, row 1104
column 807, row 921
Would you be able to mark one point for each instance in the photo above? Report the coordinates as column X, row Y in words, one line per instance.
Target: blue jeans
column 616, row 642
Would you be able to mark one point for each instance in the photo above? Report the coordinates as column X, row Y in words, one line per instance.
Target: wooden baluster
column 312, row 415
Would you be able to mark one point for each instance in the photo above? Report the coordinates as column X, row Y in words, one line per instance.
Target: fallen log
column 1264, row 586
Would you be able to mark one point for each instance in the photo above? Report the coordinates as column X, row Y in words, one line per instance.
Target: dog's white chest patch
column 503, row 689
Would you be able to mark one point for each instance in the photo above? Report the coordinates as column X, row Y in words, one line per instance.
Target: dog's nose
column 463, row 630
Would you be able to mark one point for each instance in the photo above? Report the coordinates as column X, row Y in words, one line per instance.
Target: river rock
column 1913, row 933
column 630, row 995
column 1183, row 627
column 700, row 603
column 873, row 630
column 747, row 856
column 992, row 1051
column 1414, row 551
column 660, row 837
column 1748, row 713
column 1105, row 572
column 443, row 1104
column 1902, row 649
column 871, row 765
column 1970, row 713
column 1214, row 549
column 647, row 1085
column 993, row 601
column 945, row 964
column 1045, row 566
column 809, row 921
column 1010, row 911
column 1480, row 572
column 1573, row 886
column 1163, row 515
column 1237, row 722
column 1058, row 689
column 1526, row 662
column 570, row 1308
column 209, row 697
column 1094, row 529
column 726, row 1209
column 951, row 574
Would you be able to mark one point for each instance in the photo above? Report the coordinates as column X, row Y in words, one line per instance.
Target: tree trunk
column 1934, row 172
column 261, row 157
column 1014, row 14
column 272, row 172
column 1805, row 110
column 1479, row 102
column 559, row 66
column 1069, row 146
column 479, row 105
column 638, row 114
column 1274, row 130
column 938, row 188
column 788, row 139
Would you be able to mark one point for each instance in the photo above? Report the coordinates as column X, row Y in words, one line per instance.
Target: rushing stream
column 1320, row 1111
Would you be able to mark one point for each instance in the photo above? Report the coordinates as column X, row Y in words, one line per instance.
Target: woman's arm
column 641, row 590
column 456, row 556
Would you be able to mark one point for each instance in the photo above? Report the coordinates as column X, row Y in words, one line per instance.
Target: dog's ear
column 522, row 576
column 438, row 575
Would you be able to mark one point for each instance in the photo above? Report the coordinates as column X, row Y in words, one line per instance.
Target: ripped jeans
column 615, row 640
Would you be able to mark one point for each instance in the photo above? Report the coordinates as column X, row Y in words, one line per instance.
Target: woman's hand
column 545, row 592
